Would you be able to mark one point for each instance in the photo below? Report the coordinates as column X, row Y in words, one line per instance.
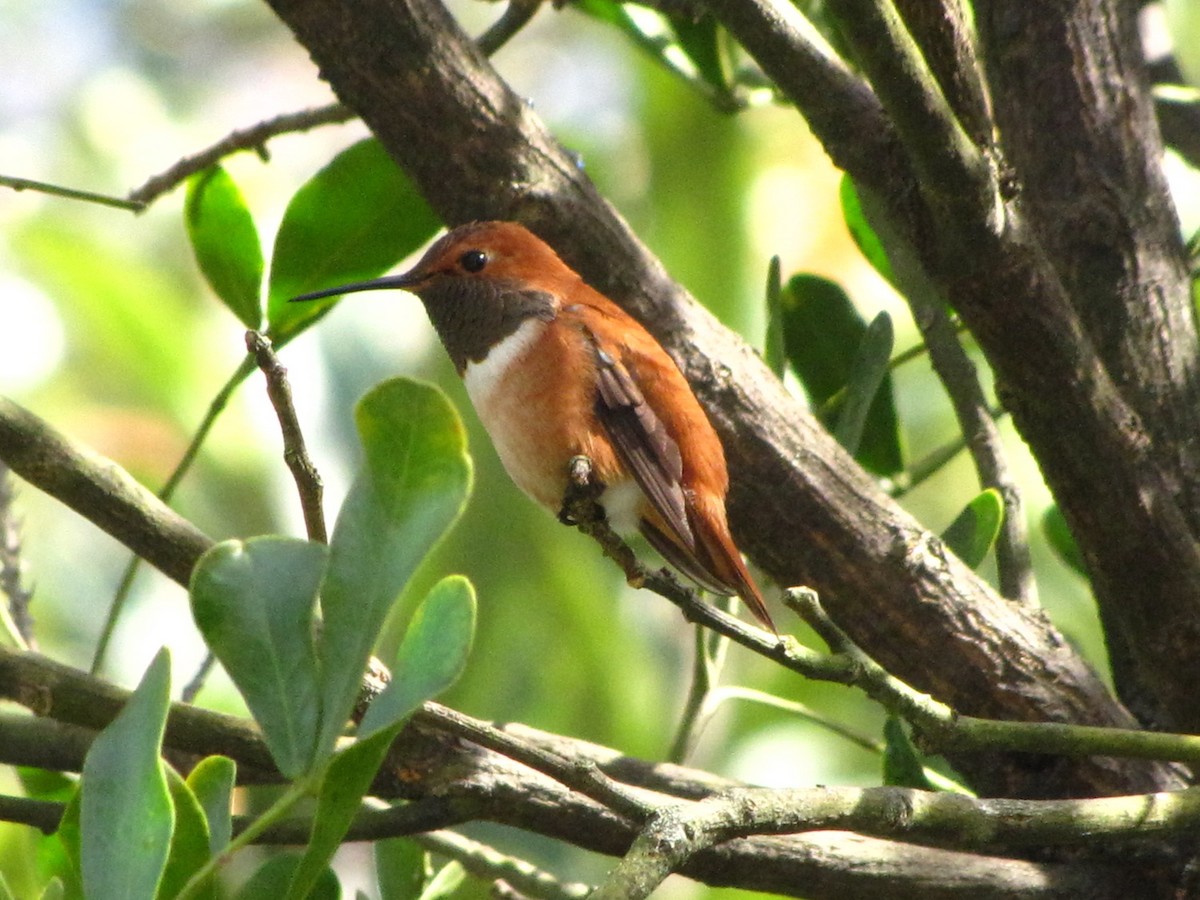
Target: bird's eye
column 473, row 261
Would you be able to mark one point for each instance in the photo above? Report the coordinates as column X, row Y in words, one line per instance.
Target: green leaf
column 414, row 482
column 445, row 882
column 225, row 242
column 69, row 839
column 861, row 231
column 868, row 372
column 254, row 603
column 212, row 782
column 55, row 890
column 1058, row 533
column 353, row 220
column 431, row 657
column 401, row 868
column 902, row 766
column 774, row 353
column 821, row 331
column 273, row 877
column 700, row 39
column 51, row 855
column 125, row 812
column 822, row 334
column 974, row 530
column 189, row 843
column 346, row 781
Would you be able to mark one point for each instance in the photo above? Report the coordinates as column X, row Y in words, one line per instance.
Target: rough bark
column 1091, row 189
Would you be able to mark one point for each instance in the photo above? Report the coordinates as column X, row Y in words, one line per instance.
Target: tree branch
column 295, row 453
column 1094, row 197
column 954, row 174
column 448, row 779
column 100, row 491
column 11, row 583
column 253, row 138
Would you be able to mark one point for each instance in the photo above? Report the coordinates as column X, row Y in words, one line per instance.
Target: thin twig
column 192, row 689
column 516, row 16
column 57, row 190
column 295, row 454
column 489, row 864
column 695, row 707
column 253, row 138
column 215, row 408
column 708, row 659
column 850, row 665
column 955, row 370
column 11, row 585
column 582, row 775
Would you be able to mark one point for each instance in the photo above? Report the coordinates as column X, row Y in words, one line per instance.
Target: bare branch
column 487, row 863
column 100, row 491
column 253, row 138
column 11, row 582
column 295, row 453
column 952, row 171
column 58, row 190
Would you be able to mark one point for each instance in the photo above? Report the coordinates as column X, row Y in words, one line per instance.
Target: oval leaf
column 445, row 882
column 431, row 657
column 353, row 220
column 700, row 39
column 272, row 877
column 1058, row 533
column 212, row 782
column 868, row 372
column 225, row 243
column 414, row 482
column 822, row 334
column 125, row 812
column 346, row 781
column 189, row 843
column 861, row 231
column 254, row 603
column 902, row 766
column 401, row 868
column 974, row 530
column 774, row 354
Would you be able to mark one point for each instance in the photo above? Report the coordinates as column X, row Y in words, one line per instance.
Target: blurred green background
column 108, row 331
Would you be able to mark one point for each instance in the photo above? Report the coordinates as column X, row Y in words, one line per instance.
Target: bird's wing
column 647, row 449
column 642, row 442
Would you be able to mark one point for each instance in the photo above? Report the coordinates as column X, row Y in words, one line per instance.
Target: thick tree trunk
column 1087, row 156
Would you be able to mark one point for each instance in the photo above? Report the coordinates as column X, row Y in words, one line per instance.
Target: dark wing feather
column 642, row 443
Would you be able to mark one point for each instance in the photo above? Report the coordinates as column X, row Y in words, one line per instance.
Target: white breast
column 483, row 378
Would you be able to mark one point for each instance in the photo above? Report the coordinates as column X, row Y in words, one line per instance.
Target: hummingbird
column 555, row 371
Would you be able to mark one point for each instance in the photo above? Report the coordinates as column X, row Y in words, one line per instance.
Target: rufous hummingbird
column 556, row 370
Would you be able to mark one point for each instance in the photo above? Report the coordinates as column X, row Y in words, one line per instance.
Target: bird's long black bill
column 388, row 282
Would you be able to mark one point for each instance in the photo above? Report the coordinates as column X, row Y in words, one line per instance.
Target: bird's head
column 489, row 255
